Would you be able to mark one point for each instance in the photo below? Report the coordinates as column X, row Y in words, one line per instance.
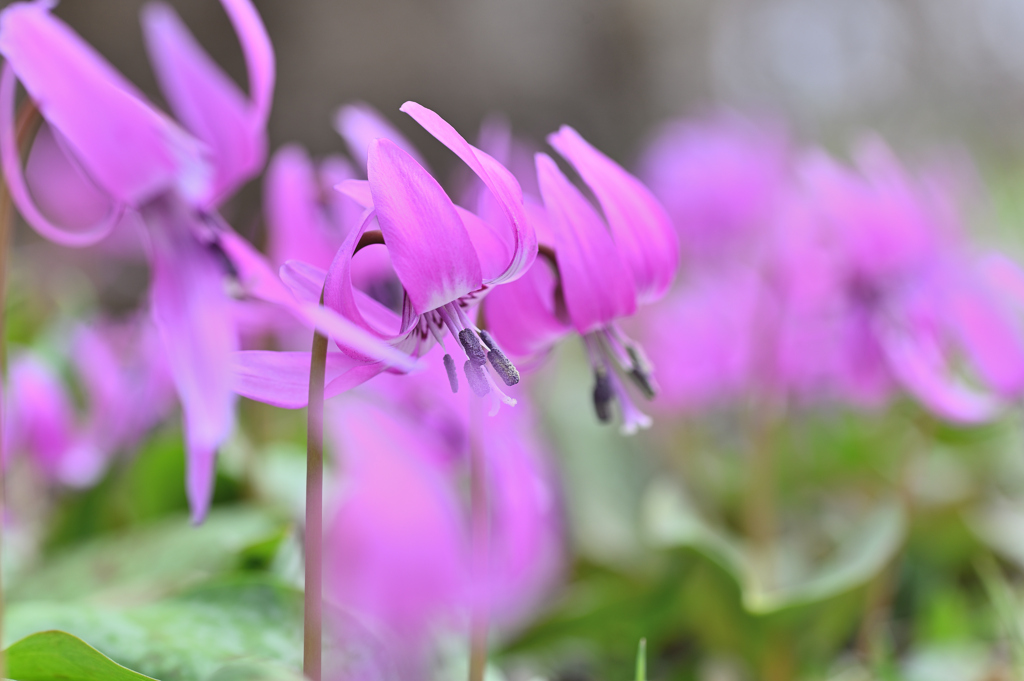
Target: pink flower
column 117, row 148
column 418, row 252
column 400, row 554
column 597, row 267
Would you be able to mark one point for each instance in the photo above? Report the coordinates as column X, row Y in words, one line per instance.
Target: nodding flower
column 597, row 265
column 104, row 141
column 416, row 268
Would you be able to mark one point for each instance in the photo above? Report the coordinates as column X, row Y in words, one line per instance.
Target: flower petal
column 402, row 565
column 359, row 124
column 428, row 244
column 128, row 148
column 259, row 281
column 193, row 315
column 917, row 361
column 258, row 53
column 642, row 229
column 206, row 101
column 281, row 379
column 596, row 283
column 497, row 178
column 10, row 157
column 522, row 315
column 298, row 226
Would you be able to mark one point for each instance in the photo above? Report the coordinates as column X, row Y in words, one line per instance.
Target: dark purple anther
column 453, row 377
column 503, row 367
column 474, row 350
column 488, row 340
column 603, row 397
column 477, row 379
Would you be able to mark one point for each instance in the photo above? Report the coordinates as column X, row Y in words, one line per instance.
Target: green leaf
column 59, row 656
column 203, row 634
column 865, row 549
column 641, row 661
column 151, row 561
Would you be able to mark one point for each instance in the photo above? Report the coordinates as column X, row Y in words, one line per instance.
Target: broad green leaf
column 59, row 656
column 151, row 561
column 192, row 637
column 864, row 550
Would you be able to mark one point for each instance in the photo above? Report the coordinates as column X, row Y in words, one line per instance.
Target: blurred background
column 923, row 72
column 890, row 542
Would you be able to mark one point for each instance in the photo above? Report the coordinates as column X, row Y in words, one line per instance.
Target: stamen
column 453, row 377
column 502, row 365
column 603, row 396
column 477, row 378
column 472, row 346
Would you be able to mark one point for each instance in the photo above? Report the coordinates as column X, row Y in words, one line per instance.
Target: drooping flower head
column 117, row 149
column 598, row 265
column 444, row 257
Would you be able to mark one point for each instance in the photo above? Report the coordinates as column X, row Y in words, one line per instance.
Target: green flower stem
column 313, row 617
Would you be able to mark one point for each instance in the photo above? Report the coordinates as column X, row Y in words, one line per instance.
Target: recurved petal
column 429, row 246
column 259, row 281
column 595, row 280
column 521, row 237
column 642, row 229
column 297, row 228
column 56, row 177
column 258, row 53
column 919, row 364
column 991, row 337
column 359, row 124
column 522, row 314
column 282, row 378
column 193, row 315
column 206, row 101
column 128, row 148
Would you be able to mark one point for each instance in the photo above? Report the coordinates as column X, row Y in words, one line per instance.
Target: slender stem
column 313, row 618
column 480, row 544
column 25, row 127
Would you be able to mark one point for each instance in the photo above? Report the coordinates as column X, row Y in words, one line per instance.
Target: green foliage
column 59, row 656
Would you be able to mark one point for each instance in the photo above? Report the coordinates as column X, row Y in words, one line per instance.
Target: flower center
column 481, row 351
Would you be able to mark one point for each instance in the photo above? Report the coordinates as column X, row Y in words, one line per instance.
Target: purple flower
column 597, row 267
column 423, row 265
column 126, row 391
column 400, row 555
column 855, row 281
column 117, row 146
column 721, row 181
